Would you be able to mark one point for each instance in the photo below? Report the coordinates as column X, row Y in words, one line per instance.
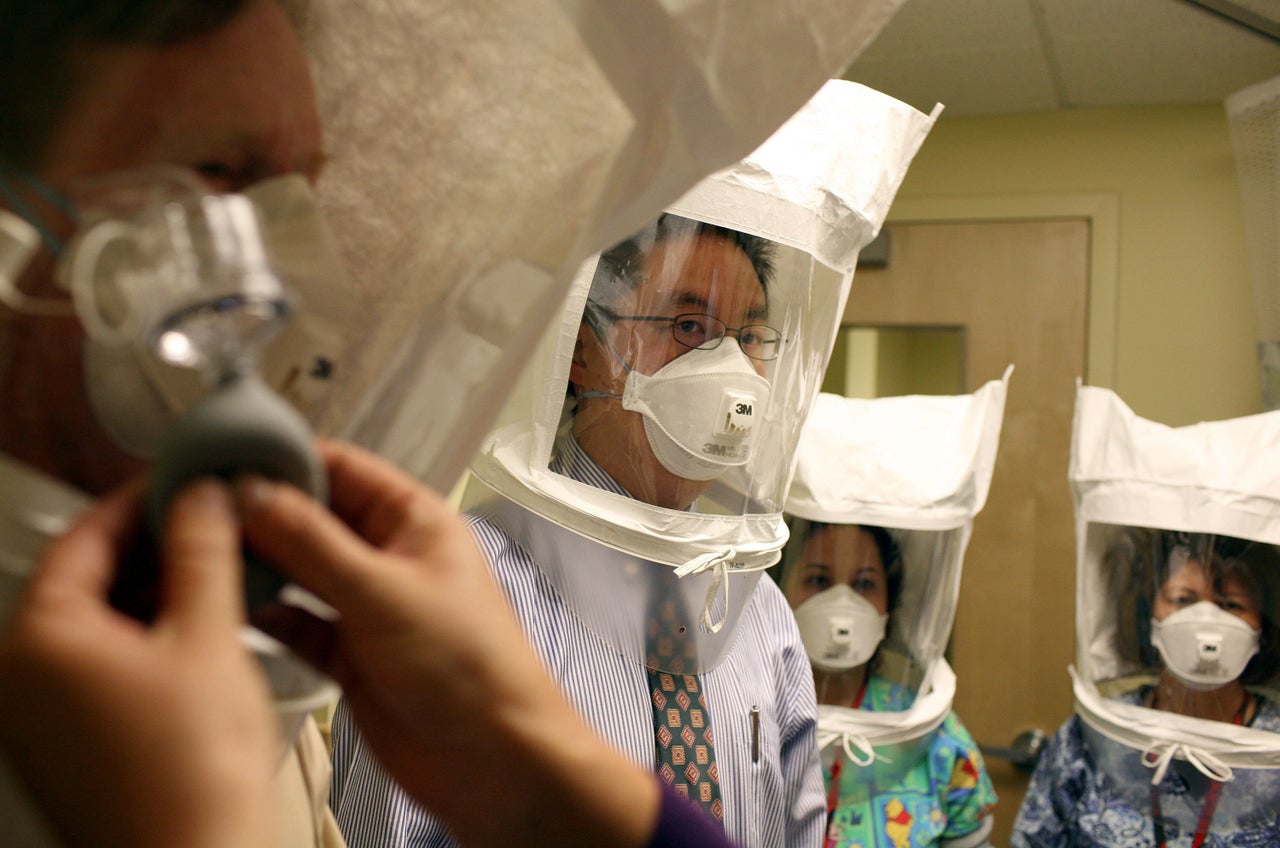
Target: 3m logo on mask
column 734, row 426
column 737, row 414
column 1209, row 648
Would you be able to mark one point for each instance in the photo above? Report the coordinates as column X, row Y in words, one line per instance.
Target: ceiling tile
column 998, row 56
column 1143, row 52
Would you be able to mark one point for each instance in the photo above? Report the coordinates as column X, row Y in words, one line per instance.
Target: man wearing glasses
column 686, row 297
column 673, row 363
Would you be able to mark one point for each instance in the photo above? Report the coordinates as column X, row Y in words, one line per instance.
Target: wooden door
column 1019, row 290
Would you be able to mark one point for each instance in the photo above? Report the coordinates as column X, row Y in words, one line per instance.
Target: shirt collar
column 573, row 462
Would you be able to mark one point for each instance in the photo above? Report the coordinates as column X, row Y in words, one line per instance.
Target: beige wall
column 1183, row 316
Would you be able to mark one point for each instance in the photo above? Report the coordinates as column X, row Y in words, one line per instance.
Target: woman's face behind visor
column 1191, row 582
column 840, row 554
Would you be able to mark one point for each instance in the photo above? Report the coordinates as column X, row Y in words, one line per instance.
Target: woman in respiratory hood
column 1192, row 611
column 844, row 588
column 847, row 580
column 1175, row 738
column 881, row 508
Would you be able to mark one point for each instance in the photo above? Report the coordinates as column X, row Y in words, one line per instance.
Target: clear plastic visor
column 1181, row 622
column 874, row 606
column 668, row 402
column 887, row 741
column 694, row 359
column 1180, row 794
column 864, row 774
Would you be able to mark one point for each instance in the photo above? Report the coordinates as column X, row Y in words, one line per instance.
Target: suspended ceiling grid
column 984, row 57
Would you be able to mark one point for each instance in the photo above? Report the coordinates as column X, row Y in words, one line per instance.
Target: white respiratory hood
column 840, row 628
column 1204, row 645
column 1179, row 519
column 700, row 410
column 811, row 195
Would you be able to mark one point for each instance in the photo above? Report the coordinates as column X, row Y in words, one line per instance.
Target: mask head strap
column 15, row 201
column 718, row 563
column 591, row 315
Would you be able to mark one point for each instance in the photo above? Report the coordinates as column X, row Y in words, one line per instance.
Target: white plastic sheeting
column 480, row 151
column 784, row 193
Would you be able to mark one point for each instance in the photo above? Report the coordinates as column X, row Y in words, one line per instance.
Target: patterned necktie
column 686, row 756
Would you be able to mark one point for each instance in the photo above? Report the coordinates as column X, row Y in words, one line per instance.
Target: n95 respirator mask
column 840, row 629
column 1203, row 645
column 700, row 410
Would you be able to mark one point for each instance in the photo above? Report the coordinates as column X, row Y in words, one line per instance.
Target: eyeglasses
column 705, row 332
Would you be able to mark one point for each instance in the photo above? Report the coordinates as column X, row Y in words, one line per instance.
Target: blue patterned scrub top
column 1091, row 791
column 943, row 798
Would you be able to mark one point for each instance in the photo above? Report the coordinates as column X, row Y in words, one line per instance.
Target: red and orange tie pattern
column 685, row 746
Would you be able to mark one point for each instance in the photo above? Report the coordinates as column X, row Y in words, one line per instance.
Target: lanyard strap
column 833, row 791
column 862, row 692
column 833, row 795
column 1210, row 801
column 1206, row 815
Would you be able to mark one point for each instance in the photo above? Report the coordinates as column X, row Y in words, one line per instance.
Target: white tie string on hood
column 719, row 564
column 1158, row 755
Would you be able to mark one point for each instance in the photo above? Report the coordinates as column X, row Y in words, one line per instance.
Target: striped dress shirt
column 774, row 798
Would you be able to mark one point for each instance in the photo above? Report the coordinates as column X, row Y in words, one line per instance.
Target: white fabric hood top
column 456, row 129
column 919, row 466
column 820, row 187
column 914, row 462
column 1215, row 477
column 1204, row 478
column 825, row 181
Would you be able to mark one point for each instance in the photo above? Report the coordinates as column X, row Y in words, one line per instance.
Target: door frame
column 1102, row 210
